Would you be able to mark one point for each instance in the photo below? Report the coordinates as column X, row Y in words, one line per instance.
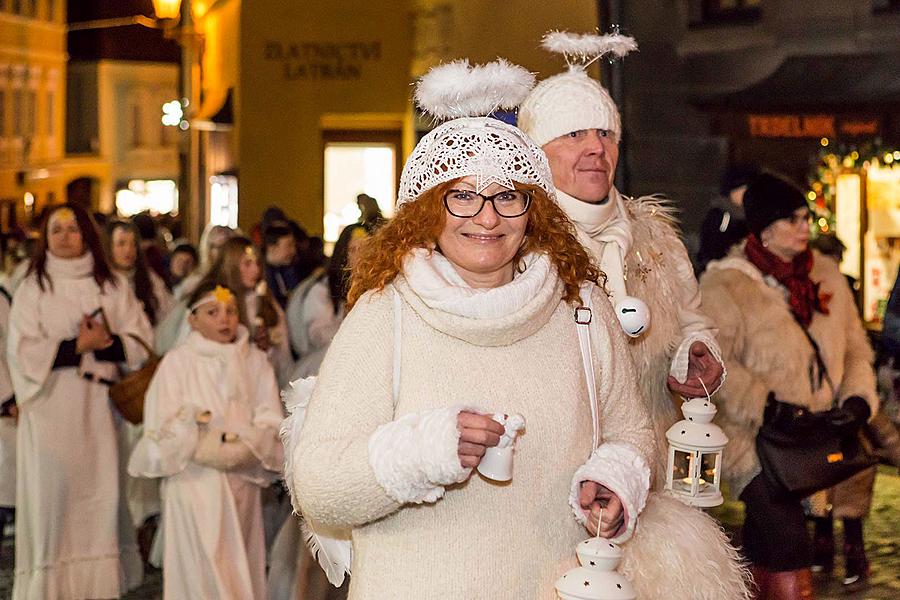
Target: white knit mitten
column 214, row 451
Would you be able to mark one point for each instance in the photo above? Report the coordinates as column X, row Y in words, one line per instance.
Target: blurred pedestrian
column 724, row 224
column 279, row 250
column 211, row 242
column 151, row 245
column 126, row 256
column 183, row 261
column 9, row 414
column 370, row 215
column 69, row 332
column 791, row 337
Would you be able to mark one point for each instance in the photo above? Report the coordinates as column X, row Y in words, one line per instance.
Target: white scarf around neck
column 436, row 281
column 70, row 268
column 604, row 229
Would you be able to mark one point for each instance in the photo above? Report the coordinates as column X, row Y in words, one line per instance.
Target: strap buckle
column 583, row 315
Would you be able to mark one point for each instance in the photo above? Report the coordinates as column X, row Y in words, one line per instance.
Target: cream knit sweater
column 424, row 527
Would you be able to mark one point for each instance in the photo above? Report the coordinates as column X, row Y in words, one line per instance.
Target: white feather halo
column 456, row 89
column 588, row 47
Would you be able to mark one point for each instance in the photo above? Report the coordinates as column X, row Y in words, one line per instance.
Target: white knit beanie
column 568, row 102
column 572, row 101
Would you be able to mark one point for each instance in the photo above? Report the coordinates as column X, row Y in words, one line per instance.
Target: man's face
column 583, row 163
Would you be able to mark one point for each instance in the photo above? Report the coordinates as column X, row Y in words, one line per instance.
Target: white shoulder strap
column 398, row 320
column 583, row 317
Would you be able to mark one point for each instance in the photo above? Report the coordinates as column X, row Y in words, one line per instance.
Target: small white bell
column 634, row 315
column 596, row 578
column 497, row 462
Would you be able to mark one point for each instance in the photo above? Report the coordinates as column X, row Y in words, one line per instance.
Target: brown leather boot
column 791, row 585
column 761, row 585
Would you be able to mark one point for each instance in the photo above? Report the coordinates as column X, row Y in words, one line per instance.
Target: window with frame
column 879, row 6
column 716, row 12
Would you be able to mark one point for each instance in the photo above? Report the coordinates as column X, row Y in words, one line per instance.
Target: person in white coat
column 9, row 414
column 634, row 240
column 69, row 334
column 211, row 432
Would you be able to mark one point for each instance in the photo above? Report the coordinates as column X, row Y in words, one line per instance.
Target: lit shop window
column 156, row 196
column 352, row 169
column 223, row 200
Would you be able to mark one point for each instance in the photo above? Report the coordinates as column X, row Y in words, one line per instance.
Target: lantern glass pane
column 708, row 469
column 681, row 471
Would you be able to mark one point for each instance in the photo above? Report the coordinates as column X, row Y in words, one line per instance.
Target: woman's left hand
column 592, row 498
column 702, row 366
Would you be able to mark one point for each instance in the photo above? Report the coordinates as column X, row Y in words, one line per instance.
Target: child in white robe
column 211, row 420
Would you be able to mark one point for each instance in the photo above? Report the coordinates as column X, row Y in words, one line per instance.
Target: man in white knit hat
column 635, row 240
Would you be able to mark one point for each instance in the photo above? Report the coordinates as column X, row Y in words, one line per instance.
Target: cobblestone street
column 882, row 544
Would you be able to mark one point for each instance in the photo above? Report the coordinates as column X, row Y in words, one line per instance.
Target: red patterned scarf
column 794, row 275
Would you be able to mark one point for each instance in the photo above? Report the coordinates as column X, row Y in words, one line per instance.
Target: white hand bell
column 497, row 462
column 633, row 315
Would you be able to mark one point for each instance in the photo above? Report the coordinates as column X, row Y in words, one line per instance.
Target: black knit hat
column 770, row 197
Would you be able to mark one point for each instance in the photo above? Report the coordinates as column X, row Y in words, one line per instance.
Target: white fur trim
column 681, row 552
column 679, row 368
column 619, row 467
column 414, row 457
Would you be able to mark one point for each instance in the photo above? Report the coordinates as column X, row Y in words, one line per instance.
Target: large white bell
column 596, row 578
column 634, row 315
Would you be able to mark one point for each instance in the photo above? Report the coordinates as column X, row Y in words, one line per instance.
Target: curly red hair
column 418, row 224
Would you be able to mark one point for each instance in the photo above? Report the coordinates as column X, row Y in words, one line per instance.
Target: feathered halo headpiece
column 469, row 142
column 457, row 89
column 583, row 49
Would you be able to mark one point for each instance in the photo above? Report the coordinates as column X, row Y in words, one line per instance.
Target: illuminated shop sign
column 811, row 126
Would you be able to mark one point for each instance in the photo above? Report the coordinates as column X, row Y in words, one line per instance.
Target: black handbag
column 802, row 452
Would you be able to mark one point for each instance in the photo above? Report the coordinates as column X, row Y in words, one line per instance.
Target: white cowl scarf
column 70, row 268
column 605, row 231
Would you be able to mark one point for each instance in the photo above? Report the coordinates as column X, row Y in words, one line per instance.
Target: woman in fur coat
column 463, row 312
column 762, row 296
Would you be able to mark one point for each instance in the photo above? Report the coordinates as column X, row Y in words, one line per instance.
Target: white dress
column 73, row 533
column 212, row 519
column 7, row 424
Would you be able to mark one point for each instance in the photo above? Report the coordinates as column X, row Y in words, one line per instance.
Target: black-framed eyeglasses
column 467, row 204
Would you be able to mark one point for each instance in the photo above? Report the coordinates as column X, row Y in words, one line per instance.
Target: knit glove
column 214, row 452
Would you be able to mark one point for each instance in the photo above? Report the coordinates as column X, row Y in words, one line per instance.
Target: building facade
column 32, row 107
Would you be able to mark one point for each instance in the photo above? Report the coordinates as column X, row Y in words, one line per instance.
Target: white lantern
column 695, row 455
column 596, row 578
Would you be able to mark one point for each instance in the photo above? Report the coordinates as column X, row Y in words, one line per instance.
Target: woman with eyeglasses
column 790, row 336
column 461, row 313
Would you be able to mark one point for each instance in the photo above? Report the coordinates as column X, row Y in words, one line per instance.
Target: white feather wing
column 334, row 552
column 296, row 399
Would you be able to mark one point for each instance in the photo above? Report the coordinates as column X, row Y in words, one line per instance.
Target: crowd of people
column 514, row 280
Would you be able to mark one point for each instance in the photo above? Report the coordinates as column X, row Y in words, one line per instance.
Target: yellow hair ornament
column 64, row 214
column 222, row 294
column 358, row 233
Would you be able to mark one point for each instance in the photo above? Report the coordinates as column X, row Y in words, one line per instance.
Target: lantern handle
column 703, row 385
column 599, row 519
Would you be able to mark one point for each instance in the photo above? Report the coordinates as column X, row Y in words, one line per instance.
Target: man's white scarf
column 604, row 229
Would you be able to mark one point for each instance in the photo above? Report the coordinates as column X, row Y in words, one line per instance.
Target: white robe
column 212, row 520
column 73, row 533
column 7, row 424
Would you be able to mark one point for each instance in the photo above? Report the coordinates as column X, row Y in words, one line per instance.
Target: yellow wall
column 280, row 114
column 33, row 61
